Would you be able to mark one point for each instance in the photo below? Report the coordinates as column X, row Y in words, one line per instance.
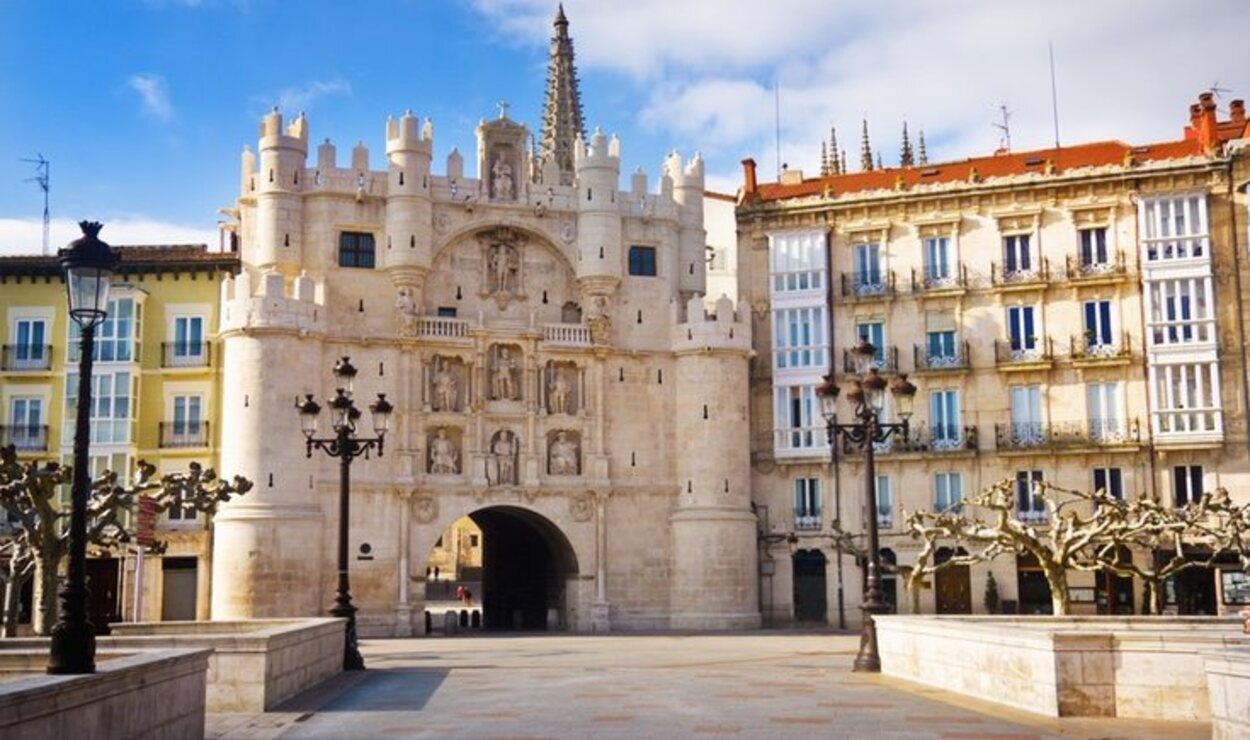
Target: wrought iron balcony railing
column 886, row 361
column 1033, row 349
column 937, row 438
column 26, row 357
column 806, row 522
column 1088, row 347
column 1002, row 275
column 932, row 280
column 1096, row 433
column 186, row 354
column 176, row 434
column 25, row 437
column 1079, row 270
column 868, row 285
column 954, row 358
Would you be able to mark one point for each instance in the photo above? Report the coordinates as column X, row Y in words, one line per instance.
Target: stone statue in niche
column 501, row 463
column 406, row 307
column 445, row 386
column 501, row 178
column 599, row 320
column 503, row 370
column 444, row 458
column 558, row 389
column 503, row 260
column 562, row 458
column 505, row 266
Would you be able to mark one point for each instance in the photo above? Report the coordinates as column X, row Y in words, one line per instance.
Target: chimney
column 1237, row 111
column 1208, row 134
column 749, row 185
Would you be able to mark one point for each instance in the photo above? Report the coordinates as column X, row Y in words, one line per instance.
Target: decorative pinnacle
column 91, row 229
column 562, row 108
column 836, row 164
column 865, row 150
column 906, row 157
column 922, row 156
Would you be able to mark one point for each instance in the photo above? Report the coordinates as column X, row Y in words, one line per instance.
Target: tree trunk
column 12, row 603
column 1057, row 579
column 1154, row 602
column 44, row 615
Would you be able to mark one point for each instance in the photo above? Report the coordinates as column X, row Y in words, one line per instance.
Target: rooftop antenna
column 777, row 121
column 1054, row 93
column 42, row 179
column 1004, row 143
column 1216, row 89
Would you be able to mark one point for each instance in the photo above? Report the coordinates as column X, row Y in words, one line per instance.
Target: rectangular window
column 1180, row 311
column 1110, row 480
column 117, row 336
column 867, row 265
column 1021, row 328
column 944, row 417
column 799, row 337
column 937, row 258
column 1030, row 504
column 26, row 422
column 178, row 513
column 111, row 406
column 885, row 502
column 642, row 261
column 447, row 312
column 873, row 332
column 948, row 491
column 31, row 344
column 1026, row 414
column 797, row 417
column 356, row 249
column 1098, row 331
column 1186, row 484
column 1187, row 397
column 1175, row 227
column 797, row 261
column 1102, row 404
column 807, row 503
column 1093, row 246
column 188, row 337
column 1016, row 255
column 941, row 344
column 187, row 415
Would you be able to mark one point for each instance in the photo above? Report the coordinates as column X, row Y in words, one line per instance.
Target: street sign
column 145, row 532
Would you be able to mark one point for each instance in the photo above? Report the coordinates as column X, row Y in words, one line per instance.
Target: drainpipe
column 833, row 463
column 1241, row 322
column 1145, row 351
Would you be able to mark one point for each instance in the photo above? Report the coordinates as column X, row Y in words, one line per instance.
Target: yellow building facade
column 155, row 397
column 1070, row 315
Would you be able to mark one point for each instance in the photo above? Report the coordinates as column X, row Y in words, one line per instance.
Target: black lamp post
column 867, row 398
column 346, row 446
column 88, row 266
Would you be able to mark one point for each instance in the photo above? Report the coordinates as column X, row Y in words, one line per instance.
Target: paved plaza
column 746, row 685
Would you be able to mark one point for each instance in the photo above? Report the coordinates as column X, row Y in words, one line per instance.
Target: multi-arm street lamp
column 867, row 398
column 88, row 266
column 346, row 446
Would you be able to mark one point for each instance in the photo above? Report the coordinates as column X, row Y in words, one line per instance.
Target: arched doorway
column 1032, row 586
column 514, row 566
column 952, row 585
column 1113, row 593
column 810, row 600
column 889, row 578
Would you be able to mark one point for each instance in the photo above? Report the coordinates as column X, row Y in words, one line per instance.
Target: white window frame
column 1183, row 483
column 1093, row 251
column 800, row 337
column 807, row 503
column 1113, row 481
column 1030, row 503
column 938, row 261
column 1104, row 404
column 885, row 502
column 948, row 491
column 945, row 425
column 1018, row 254
column 1174, row 227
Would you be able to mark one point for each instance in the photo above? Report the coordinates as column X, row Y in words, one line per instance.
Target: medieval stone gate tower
column 542, row 334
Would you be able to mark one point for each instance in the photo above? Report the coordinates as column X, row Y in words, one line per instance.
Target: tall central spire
column 562, row 109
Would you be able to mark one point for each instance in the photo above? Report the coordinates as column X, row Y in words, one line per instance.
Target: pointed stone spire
column 922, row 157
column 833, row 147
column 562, row 109
column 880, row 166
column 906, row 157
column 865, row 150
column 824, row 159
column 842, row 163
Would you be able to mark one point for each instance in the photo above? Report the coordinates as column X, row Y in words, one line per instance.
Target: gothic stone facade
column 550, row 358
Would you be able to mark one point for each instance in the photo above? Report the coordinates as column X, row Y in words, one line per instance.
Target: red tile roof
column 1096, row 154
column 133, row 259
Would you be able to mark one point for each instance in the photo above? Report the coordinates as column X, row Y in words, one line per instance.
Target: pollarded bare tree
column 31, row 492
column 1083, row 531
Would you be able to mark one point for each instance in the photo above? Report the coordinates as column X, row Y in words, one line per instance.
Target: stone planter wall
column 1228, row 684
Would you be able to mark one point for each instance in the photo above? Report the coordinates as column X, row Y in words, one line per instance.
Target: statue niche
column 406, row 308
column 505, row 372
column 444, row 453
column 562, row 387
column 503, row 256
column 503, row 173
column 563, row 454
column 446, row 382
column 501, row 462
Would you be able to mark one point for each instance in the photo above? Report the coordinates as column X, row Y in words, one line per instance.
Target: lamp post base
column 869, row 660
column 72, row 650
column 352, row 659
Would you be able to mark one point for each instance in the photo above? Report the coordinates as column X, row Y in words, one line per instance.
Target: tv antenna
column 1216, row 89
column 43, row 180
column 1004, row 142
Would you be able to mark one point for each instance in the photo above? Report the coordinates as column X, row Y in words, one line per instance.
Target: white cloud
column 154, row 94
column 1126, row 69
column 300, row 98
column 25, row 236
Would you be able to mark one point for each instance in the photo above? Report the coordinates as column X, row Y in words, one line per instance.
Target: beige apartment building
column 1073, row 315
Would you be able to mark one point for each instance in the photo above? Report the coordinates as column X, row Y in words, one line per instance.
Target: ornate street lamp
column 88, row 266
column 867, row 399
column 346, row 446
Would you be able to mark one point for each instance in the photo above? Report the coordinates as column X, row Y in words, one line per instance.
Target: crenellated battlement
column 689, row 176
column 409, row 134
column 272, row 135
column 600, row 153
column 724, row 329
column 269, row 303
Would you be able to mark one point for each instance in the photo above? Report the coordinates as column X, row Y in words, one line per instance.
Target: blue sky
column 142, row 106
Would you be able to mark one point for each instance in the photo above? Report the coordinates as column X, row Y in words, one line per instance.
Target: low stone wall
column 1228, row 685
column 255, row 664
column 1143, row 667
column 149, row 694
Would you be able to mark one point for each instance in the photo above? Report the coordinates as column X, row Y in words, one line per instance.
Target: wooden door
column 953, row 590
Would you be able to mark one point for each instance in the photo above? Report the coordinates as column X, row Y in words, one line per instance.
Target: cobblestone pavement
column 744, row 685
